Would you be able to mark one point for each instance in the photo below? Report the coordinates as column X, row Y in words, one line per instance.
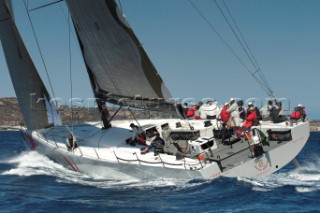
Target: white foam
column 260, row 189
column 125, row 184
column 306, row 179
column 167, row 182
column 260, row 184
column 32, row 163
column 306, row 189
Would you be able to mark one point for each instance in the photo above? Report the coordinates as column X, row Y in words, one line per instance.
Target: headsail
column 118, row 66
column 33, row 98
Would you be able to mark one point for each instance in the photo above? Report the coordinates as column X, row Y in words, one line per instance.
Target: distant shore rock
column 10, row 114
column 314, row 125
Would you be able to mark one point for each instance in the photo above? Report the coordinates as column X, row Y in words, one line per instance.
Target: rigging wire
column 98, row 49
column 239, row 31
column 26, row 4
column 46, row 5
column 218, row 34
column 236, row 35
column 244, row 46
column 70, row 70
column 262, row 76
column 261, row 82
column 66, row 16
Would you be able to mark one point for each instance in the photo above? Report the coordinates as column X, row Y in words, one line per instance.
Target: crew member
column 71, row 143
column 250, row 120
column 233, row 109
column 157, row 144
column 138, row 135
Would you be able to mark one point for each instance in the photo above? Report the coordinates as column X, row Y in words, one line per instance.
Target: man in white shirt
column 212, row 110
column 265, row 111
column 233, row 109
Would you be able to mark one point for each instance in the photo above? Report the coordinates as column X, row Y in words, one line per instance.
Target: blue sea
column 30, row 182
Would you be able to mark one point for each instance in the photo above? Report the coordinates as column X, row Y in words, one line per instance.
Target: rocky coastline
column 10, row 115
column 314, row 125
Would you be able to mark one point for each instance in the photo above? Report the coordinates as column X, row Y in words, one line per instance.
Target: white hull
column 104, row 153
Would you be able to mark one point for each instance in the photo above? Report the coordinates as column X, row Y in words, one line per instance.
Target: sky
column 283, row 35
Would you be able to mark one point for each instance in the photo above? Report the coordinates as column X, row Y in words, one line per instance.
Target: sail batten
column 33, row 97
column 116, row 62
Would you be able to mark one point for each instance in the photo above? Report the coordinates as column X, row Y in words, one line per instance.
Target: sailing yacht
column 115, row 62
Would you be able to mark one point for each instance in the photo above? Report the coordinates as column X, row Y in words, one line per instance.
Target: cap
column 250, row 103
column 300, row 105
column 226, row 103
column 231, row 99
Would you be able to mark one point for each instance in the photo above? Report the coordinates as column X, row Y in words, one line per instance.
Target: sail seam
column 5, row 19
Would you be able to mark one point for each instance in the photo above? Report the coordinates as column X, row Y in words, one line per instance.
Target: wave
column 305, row 179
column 31, row 163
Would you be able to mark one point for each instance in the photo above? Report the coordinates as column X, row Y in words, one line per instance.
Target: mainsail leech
column 117, row 64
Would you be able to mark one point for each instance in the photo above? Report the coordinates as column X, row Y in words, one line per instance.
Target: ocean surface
column 30, row 182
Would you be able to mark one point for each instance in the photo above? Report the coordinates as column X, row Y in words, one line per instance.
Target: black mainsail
column 118, row 66
column 33, row 97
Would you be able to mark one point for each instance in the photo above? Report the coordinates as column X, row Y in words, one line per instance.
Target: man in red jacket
column 250, row 119
column 224, row 114
column 191, row 111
